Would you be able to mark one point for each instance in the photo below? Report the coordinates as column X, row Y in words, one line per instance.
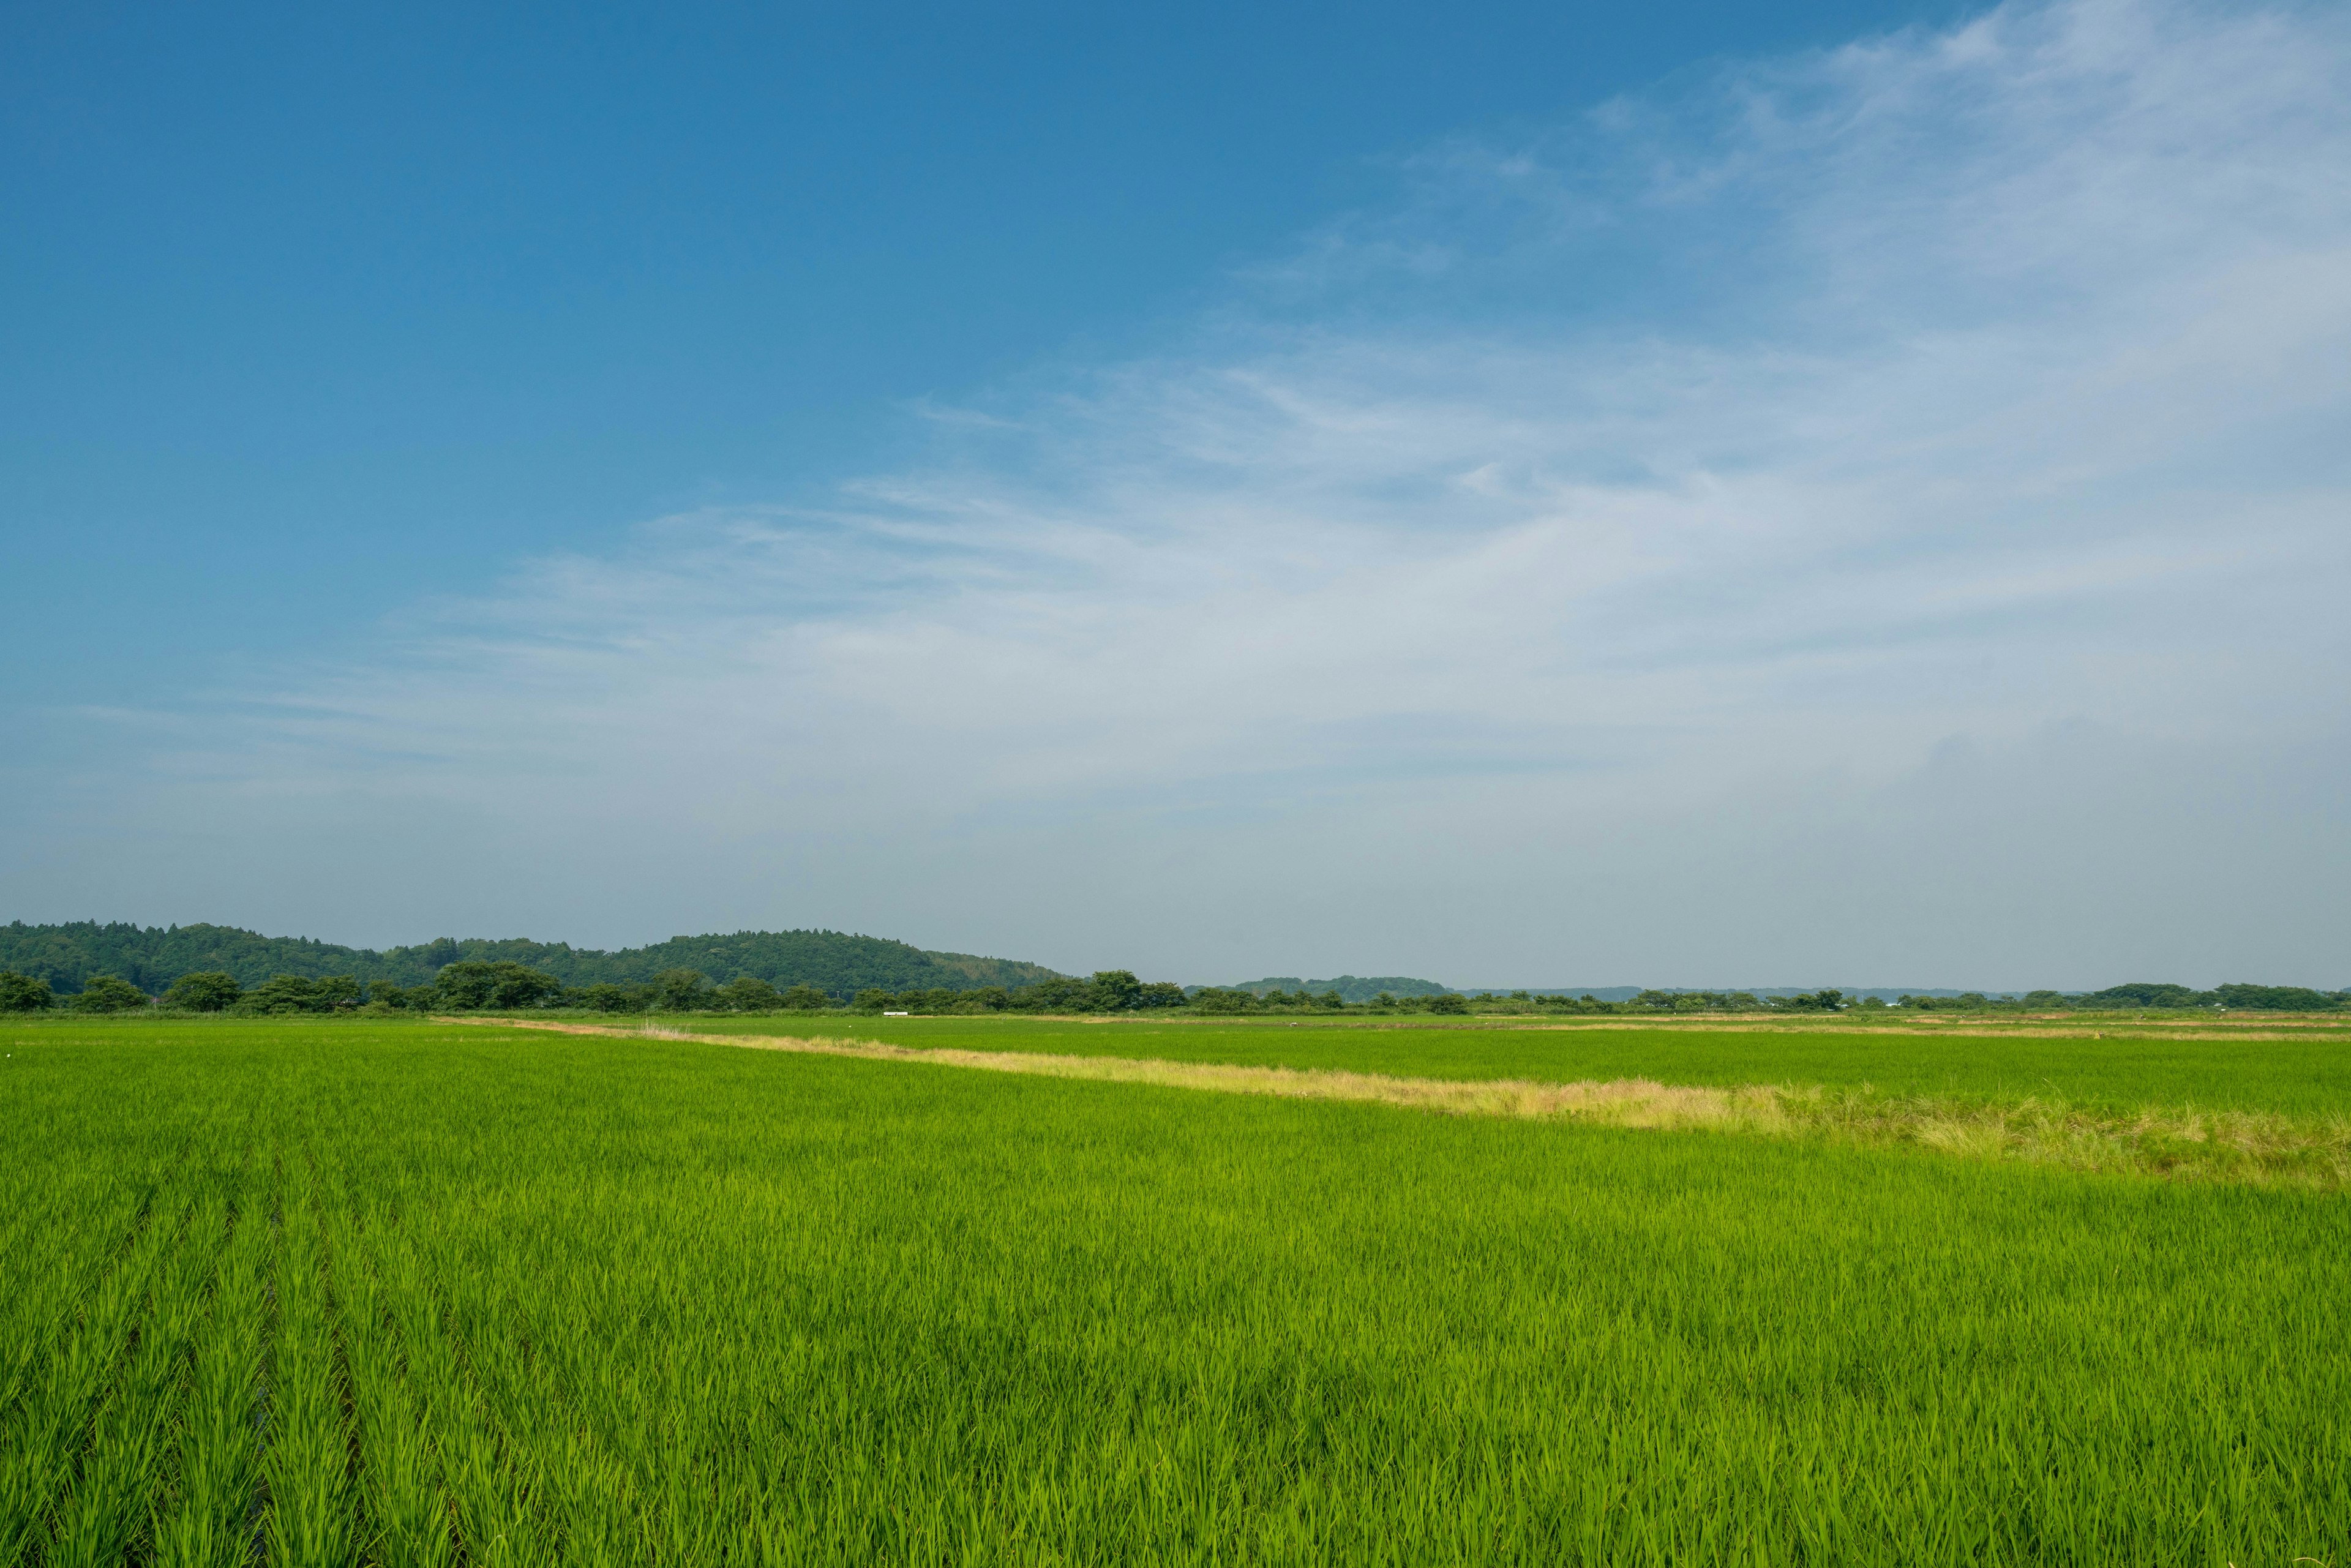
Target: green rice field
column 2297, row 1070
column 393, row 1291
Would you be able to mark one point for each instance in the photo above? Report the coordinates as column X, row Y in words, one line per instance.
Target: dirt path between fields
column 2226, row 1146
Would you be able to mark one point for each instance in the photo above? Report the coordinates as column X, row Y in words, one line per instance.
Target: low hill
column 151, row 958
column 1350, row 988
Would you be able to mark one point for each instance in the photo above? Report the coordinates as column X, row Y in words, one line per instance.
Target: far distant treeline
column 151, row 958
column 474, row 985
column 1350, row 988
column 102, row 967
column 2138, row 995
column 479, row 986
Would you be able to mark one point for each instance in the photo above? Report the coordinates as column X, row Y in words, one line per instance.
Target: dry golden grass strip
column 1755, row 1023
column 2187, row 1145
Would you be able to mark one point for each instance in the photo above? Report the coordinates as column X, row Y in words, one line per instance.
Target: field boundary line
column 1630, row 1101
column 2228, row 1145
column 1729, row 1023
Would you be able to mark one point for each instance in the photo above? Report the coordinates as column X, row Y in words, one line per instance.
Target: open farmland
column 2106, row 1062
column 406, row 1293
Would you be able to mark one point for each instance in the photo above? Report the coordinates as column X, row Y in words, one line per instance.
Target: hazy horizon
column 1311, row 981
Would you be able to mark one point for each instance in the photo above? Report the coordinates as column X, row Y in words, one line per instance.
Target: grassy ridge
column 529, row 1298
column 2304, row 1073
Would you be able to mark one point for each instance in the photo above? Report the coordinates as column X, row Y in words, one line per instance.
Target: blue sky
column 1670, row 495
column 317, row 312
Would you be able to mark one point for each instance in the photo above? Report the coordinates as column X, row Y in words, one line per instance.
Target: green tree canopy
column 109, row 994
column 747, row 994
column 605, row 997
column 24, row 994
column 474, row 985
column 204, row 992
column 300, row 994
column 2276, row 998
column 2144, row 994
column 681, row 990
column 1113, row 990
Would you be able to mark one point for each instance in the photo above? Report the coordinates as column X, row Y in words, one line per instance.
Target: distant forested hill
column 151, row 958
column 1350, row 988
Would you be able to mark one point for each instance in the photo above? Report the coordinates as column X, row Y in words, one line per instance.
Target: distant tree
column 335, row 993
column 1054, row 996
column 1824, row 1001
column 1160, row 994
column 2275, row 999
column 109, row 994
column 1113, row 990
column 384, row 994
column 872, row 999
column 466, row 983
column 748, row 994
column 1384, row 1002
column 2146, row 994
column 806, row 998
column 606, row 997
column 517, row 985
column 281, row 994
column 24, row 994
column 473, row 985
column 1451, row 1002
column 205, row 992
column 681, row 990
column 2044, row 999
column 987, row 999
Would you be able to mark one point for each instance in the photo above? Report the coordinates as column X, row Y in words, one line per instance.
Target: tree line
column 480, row 985
column 486, row 985
column 150, row 957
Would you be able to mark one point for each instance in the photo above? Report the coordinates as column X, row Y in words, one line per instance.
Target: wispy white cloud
column 1595, row 565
